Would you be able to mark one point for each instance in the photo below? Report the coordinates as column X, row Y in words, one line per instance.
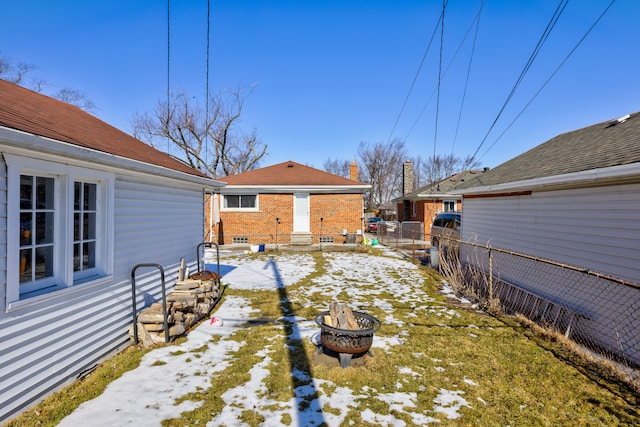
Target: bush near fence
column 599, row 312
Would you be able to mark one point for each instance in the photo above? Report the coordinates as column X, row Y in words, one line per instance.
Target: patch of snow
column 147, row 394
column 449, row 403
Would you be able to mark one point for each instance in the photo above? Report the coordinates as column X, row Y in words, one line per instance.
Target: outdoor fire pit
column 347, row 342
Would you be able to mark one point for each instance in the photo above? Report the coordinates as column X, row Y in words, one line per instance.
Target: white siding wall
column 46, row 345
column 595, row 228
column 3, row 232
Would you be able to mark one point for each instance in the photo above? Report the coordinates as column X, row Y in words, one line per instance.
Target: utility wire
column 552, row 22
column 443, row 75
column 466, row 81
column 424, row 56
column 168, row 66
column 206, row 98
column 435, row 132
column 566, row 58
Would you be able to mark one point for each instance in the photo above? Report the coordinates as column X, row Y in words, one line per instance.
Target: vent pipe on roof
column 623, row 118
column 618, row 120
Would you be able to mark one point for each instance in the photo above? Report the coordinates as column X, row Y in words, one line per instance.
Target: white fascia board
column 438, row 196
column 26, row 144
column 595, row 176
column 229, row 189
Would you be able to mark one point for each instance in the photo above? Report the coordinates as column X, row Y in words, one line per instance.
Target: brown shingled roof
column 34, row 113
column 289, row 173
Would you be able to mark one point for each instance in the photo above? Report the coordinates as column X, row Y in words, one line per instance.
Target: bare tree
column 18, row 73
column 75, row 97
column 209, row 141
column 382, row 168
column 338, row 167
column 439, row 167
column 14, row 73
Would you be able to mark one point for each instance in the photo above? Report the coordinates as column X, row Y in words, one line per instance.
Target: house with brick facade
column 287, row 203
column 423, row 204
column 81, row 205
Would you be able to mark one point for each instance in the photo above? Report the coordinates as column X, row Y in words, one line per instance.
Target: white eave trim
column 30, row 145
column 602, row 175
column 234, row 189
column 427, row 196
column 438, row 196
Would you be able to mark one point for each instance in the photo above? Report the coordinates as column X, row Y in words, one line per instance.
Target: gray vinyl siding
column 47, row 345
column 595, row 228
column 155, row 224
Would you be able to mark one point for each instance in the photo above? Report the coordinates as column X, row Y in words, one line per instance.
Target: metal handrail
column 164, row 301
column 208, row 244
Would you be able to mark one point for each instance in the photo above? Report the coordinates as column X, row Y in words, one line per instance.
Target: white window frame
column 254, row 209
column 63, row 276
column 444, row 205
column 414, row 208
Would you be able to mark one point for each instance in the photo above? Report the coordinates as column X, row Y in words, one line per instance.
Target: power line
column 435, row 132
column 443, row 74
column 424, row 56
column 466, row 81
column 566, row 58
column 206, row 98
column 552, row 22
column 168, row 65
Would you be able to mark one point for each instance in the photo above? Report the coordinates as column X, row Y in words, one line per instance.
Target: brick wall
column 339, row 212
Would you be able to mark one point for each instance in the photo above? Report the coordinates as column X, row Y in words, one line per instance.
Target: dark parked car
column 372, row 224
column 446, row 224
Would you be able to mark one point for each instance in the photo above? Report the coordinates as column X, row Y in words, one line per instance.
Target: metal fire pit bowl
column 348, row 342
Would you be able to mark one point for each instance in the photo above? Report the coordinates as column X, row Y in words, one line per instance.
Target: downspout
column 210, row 217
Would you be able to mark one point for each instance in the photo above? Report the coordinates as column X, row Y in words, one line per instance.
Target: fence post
column 413, row 245
column 490, row 275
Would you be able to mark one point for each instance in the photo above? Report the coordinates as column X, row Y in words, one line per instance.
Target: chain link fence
column 598, row 312
column 406, row 236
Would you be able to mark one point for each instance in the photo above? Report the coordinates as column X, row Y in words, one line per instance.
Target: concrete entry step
column 301, row 239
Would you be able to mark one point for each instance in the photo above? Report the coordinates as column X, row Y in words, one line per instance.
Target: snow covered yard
column 435, row 360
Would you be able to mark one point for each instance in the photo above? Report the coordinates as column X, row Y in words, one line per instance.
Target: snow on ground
column 144, row 397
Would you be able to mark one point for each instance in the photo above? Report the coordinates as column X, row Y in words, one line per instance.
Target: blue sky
column 331, row 74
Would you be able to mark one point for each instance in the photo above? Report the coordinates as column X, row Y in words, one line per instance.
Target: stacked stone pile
column 191, row 300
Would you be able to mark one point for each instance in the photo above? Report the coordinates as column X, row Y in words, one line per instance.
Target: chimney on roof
column 407, row 177
column 353, row 170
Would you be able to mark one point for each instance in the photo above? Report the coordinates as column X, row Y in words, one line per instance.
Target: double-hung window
column 37, row 229
column 449, row 205
column 85, row 215
column 60, row 227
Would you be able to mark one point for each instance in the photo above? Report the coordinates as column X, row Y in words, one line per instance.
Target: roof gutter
column 603, row 176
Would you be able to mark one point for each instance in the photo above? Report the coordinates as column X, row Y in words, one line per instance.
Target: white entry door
column 301, row 221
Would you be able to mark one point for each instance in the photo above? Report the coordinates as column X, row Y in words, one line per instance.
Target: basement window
column 240, row 240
